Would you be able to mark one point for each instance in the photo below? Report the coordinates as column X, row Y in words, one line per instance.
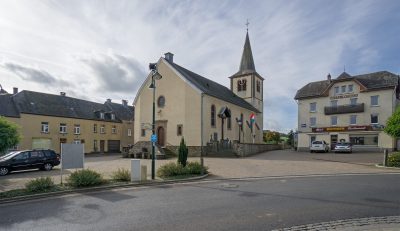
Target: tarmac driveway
column 273, row 163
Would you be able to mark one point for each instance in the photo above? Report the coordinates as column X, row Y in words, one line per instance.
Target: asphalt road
column 248, row 204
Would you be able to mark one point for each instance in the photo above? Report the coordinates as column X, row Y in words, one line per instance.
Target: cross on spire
column 247, row 25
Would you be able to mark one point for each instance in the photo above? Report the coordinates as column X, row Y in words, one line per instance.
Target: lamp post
column 154, row 76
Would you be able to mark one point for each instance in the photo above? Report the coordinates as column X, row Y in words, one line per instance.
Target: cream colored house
column 191, row 106
column 47, row 120
column 349, row 108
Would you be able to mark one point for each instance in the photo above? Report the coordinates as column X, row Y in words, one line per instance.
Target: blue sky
column 100, row 49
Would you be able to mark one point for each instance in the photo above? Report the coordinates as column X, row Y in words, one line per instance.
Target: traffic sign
column 153, row 138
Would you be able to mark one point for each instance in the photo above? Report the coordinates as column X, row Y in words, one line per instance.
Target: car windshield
column 317, row 142
column 343, row 144
column 9, row 155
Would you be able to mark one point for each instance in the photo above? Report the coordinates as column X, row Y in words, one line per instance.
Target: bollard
column 385, row 157
column 135, row 170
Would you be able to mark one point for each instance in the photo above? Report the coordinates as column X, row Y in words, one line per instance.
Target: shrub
column 176, row 169
column 121, row 175
column 85, row 177
column 183, row 153
column 195, row 168
column 394, row 160
column 42, row 184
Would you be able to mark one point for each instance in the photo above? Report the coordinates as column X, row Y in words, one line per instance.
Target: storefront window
column 370, row 139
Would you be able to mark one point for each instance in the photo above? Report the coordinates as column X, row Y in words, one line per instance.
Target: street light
column 154, row 76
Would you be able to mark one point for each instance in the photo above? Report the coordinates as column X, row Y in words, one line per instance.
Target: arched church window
column 161, row 101
column 239, row 85
column 244, row 85
column 213, row 115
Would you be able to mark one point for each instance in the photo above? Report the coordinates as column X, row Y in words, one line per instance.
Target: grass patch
column 42, row 184
column 121, row 174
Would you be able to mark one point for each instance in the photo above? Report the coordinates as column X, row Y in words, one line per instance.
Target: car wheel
column 3, row 171
column 47, row 167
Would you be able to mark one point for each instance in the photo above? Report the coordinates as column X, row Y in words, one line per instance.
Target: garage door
column 113, row 145
column 41, row 143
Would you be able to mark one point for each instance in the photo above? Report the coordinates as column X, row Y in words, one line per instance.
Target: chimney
column 329, row 77
column 62, row 93
column 108, row 100
column 15, row 90
column 125, row 102
column 169, row 57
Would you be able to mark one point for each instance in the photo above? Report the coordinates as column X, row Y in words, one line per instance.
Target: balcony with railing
column 343, row 109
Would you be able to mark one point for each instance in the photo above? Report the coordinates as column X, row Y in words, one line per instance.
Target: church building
column 200, row 110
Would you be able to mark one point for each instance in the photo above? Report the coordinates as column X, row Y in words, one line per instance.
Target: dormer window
column 112, row 116
column 102, row 115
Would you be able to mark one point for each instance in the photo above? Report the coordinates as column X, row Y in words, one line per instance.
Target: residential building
column 349, row 108
column 200, row 110
column 48, row 120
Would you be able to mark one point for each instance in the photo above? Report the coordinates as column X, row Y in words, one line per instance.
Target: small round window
column 161, row 101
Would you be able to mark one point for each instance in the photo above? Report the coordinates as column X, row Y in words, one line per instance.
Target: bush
column 85, row 177
column 195, row 168
column 42, row 184
column 394, row 160
column 121, row 175
column 176, row 169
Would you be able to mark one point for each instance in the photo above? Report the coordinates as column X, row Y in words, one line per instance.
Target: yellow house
column 48, row 120
column 349, row 108
column 200, row 110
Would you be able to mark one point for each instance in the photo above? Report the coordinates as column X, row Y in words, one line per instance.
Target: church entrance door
column 161, row 136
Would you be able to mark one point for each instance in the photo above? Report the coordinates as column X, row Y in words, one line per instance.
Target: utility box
column 143, row 174
column 135, row 170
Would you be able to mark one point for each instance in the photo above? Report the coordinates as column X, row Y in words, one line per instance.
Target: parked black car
column 28, row 159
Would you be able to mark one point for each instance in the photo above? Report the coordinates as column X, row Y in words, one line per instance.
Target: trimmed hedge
column 84, row 178
column 394, row 160
column 176, row 169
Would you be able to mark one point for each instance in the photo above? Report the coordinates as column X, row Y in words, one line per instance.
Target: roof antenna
column 247, row 25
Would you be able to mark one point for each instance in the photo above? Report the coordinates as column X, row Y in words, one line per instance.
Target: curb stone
column 349, row 224
column 381, row 166
column 99, row 188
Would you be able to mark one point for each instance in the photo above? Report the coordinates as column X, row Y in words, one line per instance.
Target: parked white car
column 319, row 146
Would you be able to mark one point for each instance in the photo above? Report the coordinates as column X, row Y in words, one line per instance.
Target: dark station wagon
column 28, row 159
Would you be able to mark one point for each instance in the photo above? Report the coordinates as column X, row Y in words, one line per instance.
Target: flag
column 252, row 118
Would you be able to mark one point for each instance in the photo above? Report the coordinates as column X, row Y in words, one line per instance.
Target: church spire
column 247, row 62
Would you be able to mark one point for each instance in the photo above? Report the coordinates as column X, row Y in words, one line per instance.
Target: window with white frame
column 374, row 118
column 313, row 107
column 353, row 119
column 76, row 141
column 334, row 103
column 375, row 100
column 129, row 132
column 334, row 120
column 336, row 90
column 344, row 89
column 63, row 128
column 350, row 88
column 102, row 115
column 313, row 121
column 77, row 129
column 102, row 129
column 353, row 101
column 114, row 129
column 113, row 116
column 45, row 127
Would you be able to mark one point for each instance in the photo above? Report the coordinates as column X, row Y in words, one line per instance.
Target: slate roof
column 37, row 103
column 247, row 62
column 7, row 107
column 212, row 88
column 371, row 82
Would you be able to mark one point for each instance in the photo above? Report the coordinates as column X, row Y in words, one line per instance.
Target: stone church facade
column 200, row 110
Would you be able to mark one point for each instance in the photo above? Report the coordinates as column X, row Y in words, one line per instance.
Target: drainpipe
column 201, row 135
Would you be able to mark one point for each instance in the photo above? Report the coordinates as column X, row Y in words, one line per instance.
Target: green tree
column 393, row 124
column 9, row 136
column 271, row 136
column 290, row 138
column 183, row 153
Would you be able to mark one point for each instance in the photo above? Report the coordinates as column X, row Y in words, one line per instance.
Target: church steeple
column 247, row 61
